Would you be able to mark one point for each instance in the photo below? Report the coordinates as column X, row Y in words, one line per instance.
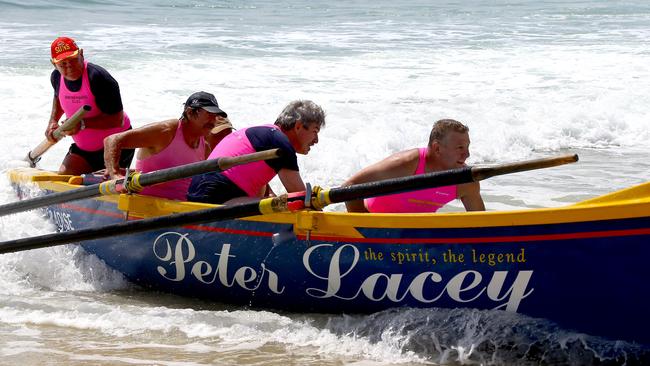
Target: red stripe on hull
column 473, row 240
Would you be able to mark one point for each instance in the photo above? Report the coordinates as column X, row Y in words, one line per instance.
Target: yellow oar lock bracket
column 319, row 198
column 132, row 183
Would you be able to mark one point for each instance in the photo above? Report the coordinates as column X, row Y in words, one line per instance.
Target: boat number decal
column 61, row 220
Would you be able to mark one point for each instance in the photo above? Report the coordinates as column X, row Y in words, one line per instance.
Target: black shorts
column 213, row 187
column 96, row 158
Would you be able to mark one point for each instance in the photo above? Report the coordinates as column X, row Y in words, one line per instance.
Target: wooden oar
column 69, row 124
column 137, row 181
column 283, row 203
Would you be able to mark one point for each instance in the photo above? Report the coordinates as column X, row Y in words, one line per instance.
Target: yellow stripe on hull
column 627, row 203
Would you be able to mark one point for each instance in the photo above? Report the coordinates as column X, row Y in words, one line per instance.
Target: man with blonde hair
column 448, row 148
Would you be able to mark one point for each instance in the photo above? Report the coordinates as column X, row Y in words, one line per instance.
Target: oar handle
column 35, row 154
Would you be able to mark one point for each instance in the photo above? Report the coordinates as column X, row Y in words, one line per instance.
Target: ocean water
column 530, row 78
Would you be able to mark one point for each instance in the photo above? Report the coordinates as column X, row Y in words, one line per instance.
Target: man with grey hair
column 448, row 148
column 294, row 132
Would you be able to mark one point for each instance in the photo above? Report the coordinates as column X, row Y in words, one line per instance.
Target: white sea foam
column 203, row 331
column 530, row 80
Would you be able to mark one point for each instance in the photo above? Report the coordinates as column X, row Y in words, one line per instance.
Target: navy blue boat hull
column 587, row 276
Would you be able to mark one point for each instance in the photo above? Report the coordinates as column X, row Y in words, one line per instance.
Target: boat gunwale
column 628, row 203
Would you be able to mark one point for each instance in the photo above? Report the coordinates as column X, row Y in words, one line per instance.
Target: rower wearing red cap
column 76, row 83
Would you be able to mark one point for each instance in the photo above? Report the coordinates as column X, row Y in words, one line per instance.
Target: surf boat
column 583, row 266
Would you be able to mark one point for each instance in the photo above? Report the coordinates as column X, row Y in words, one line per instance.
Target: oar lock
column 131, row 183
column 315, row 198
column 128, row 185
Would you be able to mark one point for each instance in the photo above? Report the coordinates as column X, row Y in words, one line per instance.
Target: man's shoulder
column 264, row 128
column 96, row 72
column 405, row 156
column 96, row 68
column 267, row 131
column 399, row 164
column 165, row 126
column 55, row 78
column 268, row 136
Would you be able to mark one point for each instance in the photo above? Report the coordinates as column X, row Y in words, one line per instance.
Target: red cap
column 62, row 48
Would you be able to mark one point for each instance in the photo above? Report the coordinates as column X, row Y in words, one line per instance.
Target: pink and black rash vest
column 88, row 139
column 253, row 177
column 177, row 153
column 425, row 200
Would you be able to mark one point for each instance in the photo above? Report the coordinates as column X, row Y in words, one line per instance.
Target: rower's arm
column 55, row 115
column 291, row 180
column 151, row 139
column 470, row 195
column 399, row 164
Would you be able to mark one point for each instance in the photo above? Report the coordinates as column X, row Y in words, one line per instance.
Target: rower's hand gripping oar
column 69, row 124
column 136, row 181
column 284, row 203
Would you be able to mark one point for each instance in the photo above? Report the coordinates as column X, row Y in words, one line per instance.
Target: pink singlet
column 175, row 154
column 251, row 177
column 88, row 139
column 425, row 200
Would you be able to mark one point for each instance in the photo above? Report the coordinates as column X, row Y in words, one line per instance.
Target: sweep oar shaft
column 139, row 181
column 184, row 171
column 480, row 173
column 35, row 154
column 131, row 227
column 279, row 204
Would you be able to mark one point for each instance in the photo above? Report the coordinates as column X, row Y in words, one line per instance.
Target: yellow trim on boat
column 626, row 203
column 25, row 175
